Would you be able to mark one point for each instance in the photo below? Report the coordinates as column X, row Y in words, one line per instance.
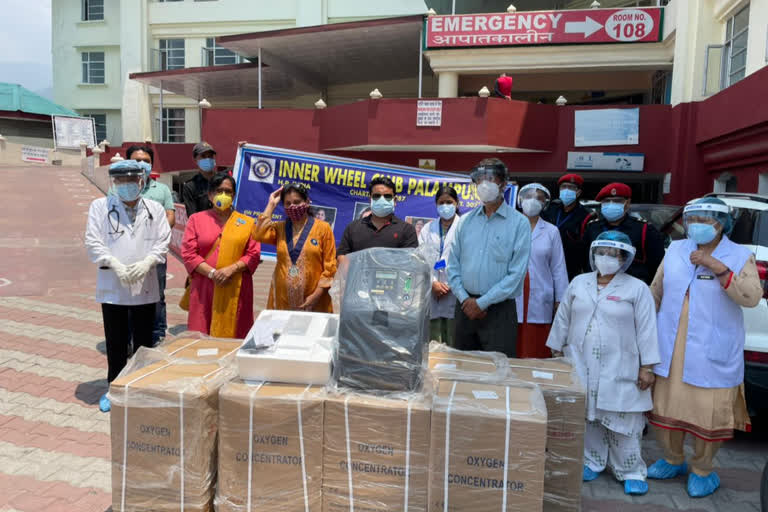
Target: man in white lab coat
column 126, row 237
column 607, row 325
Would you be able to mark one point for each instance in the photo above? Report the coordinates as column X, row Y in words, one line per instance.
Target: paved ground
column 54, row 442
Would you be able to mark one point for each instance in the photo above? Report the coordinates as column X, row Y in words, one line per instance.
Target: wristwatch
column 210, row 274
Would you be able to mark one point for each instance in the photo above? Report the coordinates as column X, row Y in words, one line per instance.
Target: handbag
column 184, row 301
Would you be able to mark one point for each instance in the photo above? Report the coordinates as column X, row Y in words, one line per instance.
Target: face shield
column 710, row 214
column 533, row 198
column 609, row 257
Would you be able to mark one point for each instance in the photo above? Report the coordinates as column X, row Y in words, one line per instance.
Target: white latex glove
column 119, row 269
column 138, row 270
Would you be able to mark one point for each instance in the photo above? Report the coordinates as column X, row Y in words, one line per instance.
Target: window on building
column 93, row 67
column 215, row 55
column 173, row 125
column 93, row 10
column 171, row 54
column 100, row 120
column 736, row 33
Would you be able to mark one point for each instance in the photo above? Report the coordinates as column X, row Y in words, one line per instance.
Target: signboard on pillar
column 628, row 162
column 528, row 28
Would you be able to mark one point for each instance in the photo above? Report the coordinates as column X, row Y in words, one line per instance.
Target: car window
column 750, row 227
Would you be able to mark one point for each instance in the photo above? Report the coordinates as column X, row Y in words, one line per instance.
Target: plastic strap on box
column 349, row 455
column 301, row 447
column 447, row 446
column 181, row 447
column 250, row 444
column 506, row 456
column 407, row 456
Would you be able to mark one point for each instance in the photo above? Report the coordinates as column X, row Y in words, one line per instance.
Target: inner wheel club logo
column 262, row 170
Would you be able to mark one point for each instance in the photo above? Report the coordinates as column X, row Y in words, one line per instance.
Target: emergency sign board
column 586, row 26
column 429, row 113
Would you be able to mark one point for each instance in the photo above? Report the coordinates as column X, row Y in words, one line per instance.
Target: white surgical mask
column 607, row 265
column 446, row 211
column 488, row 191
column 532, row 207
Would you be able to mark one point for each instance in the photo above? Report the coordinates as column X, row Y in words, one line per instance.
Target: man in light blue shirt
column 487, row 265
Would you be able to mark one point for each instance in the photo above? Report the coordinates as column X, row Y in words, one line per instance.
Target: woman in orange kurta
column 306, row 253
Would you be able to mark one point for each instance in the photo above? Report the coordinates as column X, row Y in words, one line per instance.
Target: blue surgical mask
column 700, row 233
column 567, row 196
column 382, row 208
column 127, row 191
column 446, row 211
column 612, row 211
column 207, row 164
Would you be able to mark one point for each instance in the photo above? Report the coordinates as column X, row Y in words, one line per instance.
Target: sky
column 25, row 44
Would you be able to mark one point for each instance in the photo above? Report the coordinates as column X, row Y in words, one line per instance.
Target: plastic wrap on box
column 565, row 397
column 199, row 347
column 487, row 447
column 448, row 363
column 289, row 346
column 163, row 422
column 376, row 453
column 270, row 447
column 384, row 322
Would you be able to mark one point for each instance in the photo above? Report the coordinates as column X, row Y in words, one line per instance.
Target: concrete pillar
column 134, row 58
column 448, row 84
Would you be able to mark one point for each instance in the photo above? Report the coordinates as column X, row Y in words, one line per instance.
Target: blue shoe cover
column 635, row 487
column 700, row 486
column 589, row 475
column 662, row 470
column 104, row 404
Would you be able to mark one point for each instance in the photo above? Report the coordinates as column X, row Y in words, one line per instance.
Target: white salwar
column 611, row 438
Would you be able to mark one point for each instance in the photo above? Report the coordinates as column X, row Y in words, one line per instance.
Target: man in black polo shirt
column 194, row 193
column 381, row 228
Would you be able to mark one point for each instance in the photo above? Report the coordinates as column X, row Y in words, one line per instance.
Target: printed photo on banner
column 326, row 213
column 361, row 209
column 418, row 222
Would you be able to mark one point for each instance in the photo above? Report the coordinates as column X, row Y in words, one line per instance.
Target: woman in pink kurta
column 206, row 269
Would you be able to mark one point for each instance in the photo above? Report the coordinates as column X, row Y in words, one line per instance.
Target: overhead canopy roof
column 15, row 98
column 305, row 59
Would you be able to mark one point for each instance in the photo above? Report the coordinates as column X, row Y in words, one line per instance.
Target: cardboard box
column 448, row 363
column 376, row 453
column 164, row 420
column 279, row 429
column 201, row 349
column 566, row 405
column 483, row 437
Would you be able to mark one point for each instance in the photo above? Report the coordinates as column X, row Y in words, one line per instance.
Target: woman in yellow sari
column 220, row 255
column 306, row 253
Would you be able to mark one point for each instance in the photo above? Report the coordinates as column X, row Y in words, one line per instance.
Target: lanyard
column 558, row 223
column 295, row 251
column 442, row 240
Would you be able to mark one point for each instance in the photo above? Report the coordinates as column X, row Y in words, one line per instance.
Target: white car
column 750, row 229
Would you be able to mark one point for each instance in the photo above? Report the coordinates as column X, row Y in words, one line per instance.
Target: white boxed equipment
column 289, row 346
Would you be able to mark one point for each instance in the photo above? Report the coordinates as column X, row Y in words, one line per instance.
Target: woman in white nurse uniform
column 606, row 324
column 547, row 277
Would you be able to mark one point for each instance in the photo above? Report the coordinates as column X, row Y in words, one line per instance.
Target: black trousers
column 121, row 325
column 497, row 332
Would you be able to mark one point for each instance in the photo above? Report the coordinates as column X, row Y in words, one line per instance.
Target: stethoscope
column 115, row 227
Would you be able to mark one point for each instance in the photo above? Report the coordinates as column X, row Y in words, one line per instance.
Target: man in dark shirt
column 571, row 218
column 615, row 199
column 194, row 193
column 379, row 229
column 503, row 87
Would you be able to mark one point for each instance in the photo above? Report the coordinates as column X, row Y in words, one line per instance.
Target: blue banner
column 338, row 187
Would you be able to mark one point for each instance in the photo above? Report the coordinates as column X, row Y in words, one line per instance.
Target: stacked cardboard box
column 448, row 363
column 487, row 447
column 270, row 447
column 375, row 455
column 566, row 402
column 201, row 349
column 164, row 419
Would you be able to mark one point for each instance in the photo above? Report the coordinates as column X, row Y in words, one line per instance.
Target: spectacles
column 388, row 197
